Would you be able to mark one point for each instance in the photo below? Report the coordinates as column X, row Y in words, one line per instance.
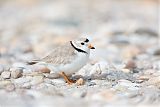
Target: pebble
column 80, row 81
column 54, row 81
column 154, row 81
column 96, row 81
column 99, row 67
column 47, row 80
column 16, row 72
column 139, row 81
column 130, row 65
column 144, row 77
column 76, row 77
column 157, row 52
column 26, row 85
column 22, row 80
column 58, row 81
column 27, row 70
column 123, row 82
column 124, row 85
column 41, row 69
column 39, row 86
column 102, row 83
column 37, row 80
column 149, row 72
column 118, row 75
column 91, row 84
column 33, row 74
column 85, row 70
column 125, row 70
column 6, row 75
column 156, row 65
column 10, row 87
column 1, row 69
column 52, row 75
column 4, row 83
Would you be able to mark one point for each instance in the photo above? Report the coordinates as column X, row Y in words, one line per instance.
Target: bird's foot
column 66, row 78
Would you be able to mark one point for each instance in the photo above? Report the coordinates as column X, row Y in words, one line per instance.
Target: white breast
column 76, row 65
column 72, row 67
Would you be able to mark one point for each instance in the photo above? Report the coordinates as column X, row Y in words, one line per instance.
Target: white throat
column 78, row 49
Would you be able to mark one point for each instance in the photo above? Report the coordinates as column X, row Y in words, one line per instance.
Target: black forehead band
column 86, row 40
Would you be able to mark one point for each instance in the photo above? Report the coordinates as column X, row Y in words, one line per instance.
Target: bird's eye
column 82, row 43
column 86, row 40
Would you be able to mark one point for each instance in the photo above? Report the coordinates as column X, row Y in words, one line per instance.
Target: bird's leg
column 69, row 81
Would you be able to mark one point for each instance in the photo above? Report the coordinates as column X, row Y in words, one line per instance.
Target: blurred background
column 124, row 28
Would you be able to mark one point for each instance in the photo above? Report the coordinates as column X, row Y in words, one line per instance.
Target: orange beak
column 90, row 46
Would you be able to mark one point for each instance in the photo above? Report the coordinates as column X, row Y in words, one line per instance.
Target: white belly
column 74, row 66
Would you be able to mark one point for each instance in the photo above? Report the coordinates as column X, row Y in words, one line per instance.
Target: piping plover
column 68, row 58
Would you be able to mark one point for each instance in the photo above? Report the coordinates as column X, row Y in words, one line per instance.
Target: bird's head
column 82, row 45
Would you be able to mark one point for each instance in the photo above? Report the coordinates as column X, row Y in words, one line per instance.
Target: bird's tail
column 32, row 62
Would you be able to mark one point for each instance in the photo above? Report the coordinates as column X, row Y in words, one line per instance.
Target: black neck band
column 77, row 49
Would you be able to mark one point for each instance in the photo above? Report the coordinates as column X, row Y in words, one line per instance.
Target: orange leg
column 69, row 81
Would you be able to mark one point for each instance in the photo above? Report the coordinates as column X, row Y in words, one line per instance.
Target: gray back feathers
column 61, row 55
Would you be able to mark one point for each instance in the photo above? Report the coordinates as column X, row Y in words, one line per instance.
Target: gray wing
column 60, row 55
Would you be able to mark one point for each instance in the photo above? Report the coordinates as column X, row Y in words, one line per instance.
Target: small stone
column 157, row 52
column 27, row 70
column 84, row 71
column 144, row 78
column 130, row 65
column 22, row 80
column 6, row 75
column 97, row 81
column 124, row 85
column 154, row 81
column 32, row 74
column 126, row 70
column 124, row 82
column 41, row 69
column 26, row 85
column 76, row 77
column 48, row 81
column 44, row 70
column 58, row 81
column 139, row 81
column 99, row 67
column 91, row 83
column 37, row 80
column 10, row 87
column 1, row 69
column 80, row 81
column 52, row 75
column 150, row 72
column 16, row 72
column 4, row 83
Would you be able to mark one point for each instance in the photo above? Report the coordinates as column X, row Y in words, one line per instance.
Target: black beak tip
column 93, row 48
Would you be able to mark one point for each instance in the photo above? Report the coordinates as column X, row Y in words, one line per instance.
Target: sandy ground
column 123, row 70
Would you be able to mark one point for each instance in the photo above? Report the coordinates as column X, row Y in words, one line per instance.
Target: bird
column 67, row 58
